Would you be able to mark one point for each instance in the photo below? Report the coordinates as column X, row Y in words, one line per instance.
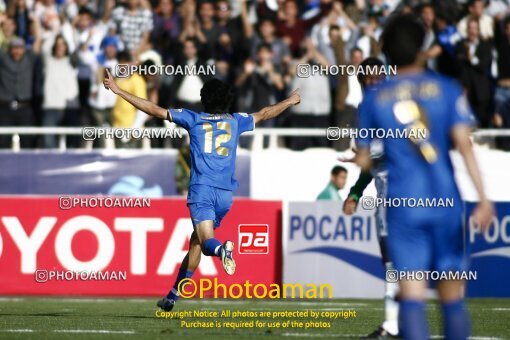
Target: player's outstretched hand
column 483, row 213
column 109, row 83
column 349, row 207
column 295, row 97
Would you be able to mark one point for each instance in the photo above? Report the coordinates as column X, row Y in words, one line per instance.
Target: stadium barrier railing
column 273, row 134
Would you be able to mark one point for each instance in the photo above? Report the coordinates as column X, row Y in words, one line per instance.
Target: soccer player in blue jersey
column 214, row 135
column 423, row 238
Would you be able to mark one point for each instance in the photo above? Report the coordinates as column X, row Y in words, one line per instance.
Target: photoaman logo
column 189, row 288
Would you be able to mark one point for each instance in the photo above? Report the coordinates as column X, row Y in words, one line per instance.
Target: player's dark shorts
column 208, row 203
column 426, row 241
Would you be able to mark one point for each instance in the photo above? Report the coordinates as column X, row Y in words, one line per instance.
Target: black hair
column 216, row 96
column 337, row 169
column 87, row 11
column 506, row 21
column 124, row 56
column 191, row 40
column 54, row 47
column 368, row 63
column 426, row 5
column 333, row 27
column 402, row 39
column 264, row 45
column 149, row 62
column 472, row 2
column 357, row 49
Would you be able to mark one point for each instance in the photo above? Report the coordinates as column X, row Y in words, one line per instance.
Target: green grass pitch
column 130, row 318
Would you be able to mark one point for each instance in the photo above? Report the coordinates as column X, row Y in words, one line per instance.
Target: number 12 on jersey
column 219, row 140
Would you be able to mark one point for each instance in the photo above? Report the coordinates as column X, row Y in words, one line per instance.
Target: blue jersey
column 213, row 144
column 417, row 167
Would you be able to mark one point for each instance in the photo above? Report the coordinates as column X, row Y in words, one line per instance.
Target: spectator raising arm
column 247, row 26
column 141, row 104
column 36, row 46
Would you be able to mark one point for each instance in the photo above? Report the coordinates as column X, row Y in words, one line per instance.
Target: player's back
column 213, row 145
column 426, row 106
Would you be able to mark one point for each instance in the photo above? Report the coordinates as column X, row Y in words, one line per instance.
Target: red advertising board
column 147, row 243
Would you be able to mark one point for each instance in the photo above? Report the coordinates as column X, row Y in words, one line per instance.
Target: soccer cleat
column 166, row 304
column 226, row 257
column 381, row 333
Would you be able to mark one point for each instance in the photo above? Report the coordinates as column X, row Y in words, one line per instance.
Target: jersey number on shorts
column 219, row 140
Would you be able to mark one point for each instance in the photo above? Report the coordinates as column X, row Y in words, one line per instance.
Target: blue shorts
column 208, row 203
column 427, row 241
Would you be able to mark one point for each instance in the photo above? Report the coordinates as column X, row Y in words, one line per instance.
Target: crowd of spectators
column 53, row 54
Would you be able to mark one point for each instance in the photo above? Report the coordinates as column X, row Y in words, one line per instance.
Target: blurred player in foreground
column 423, row 238
column 214, row 135
column 389, row 328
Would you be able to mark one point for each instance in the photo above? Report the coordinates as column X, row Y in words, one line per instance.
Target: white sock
column 390, row 306
column 217, row 250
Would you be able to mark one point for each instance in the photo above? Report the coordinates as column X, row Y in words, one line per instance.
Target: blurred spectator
column 497, row 8
column 475, row 57
column 341, row 24
column 476, row 10
column 336, row 183
column 60, row 88
column 447, row 39
column 502, row 97
column 378, row 8
column 46, row 11
column 102, row 100
column 234, row 27
column 267, row 34
column 18, row 11
column 133, row 24
column 124, row 115
column 85, row 33
column 84, row 36
column 314, row 109
column 348, row 98
column 71, row 8
column 260, row 82
column 7, row 32
column 206, row 29
column 430, row 45
column 16, row 83
column 292, row 28
column 187, row 87
column 167, row 28
column 368, row 41
column 237, row 31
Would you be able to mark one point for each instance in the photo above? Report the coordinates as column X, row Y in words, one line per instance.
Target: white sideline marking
column 81, row 331
column 341, row 335
column 11, row 299
column 84, row 300
column 91, row 331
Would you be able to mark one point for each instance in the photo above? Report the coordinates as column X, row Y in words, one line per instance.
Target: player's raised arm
column 141, row 104
column 272, row 111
